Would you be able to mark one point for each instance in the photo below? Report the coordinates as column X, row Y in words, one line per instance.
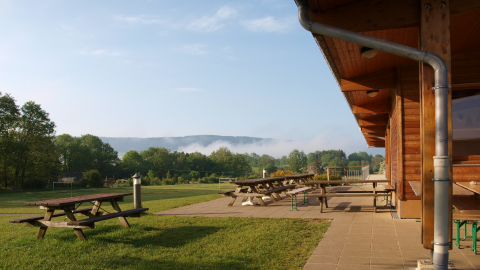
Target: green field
column 157, row 242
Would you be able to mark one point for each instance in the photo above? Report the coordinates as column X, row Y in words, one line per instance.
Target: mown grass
column 161, row 242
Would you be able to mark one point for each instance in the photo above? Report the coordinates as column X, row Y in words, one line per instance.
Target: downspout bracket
column 441, row 86
column 442, row 244
column 441, row 179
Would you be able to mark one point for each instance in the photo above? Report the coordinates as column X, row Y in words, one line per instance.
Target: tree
column 9, row 115
column 132, row 162
column 297, row 161
column 92, row 178
column 34, row 153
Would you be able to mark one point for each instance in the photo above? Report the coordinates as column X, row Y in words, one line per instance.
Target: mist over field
column 277, row 148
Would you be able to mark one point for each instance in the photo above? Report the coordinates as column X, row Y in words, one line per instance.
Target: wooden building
column 392, row 98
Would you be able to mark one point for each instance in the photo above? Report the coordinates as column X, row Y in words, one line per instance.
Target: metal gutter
column 441, row 159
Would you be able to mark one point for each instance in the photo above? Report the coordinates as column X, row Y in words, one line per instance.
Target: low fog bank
column 278, row 148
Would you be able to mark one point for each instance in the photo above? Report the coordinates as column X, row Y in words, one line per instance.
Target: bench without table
column 293, row 193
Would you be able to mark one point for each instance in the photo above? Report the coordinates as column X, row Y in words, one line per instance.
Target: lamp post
column 137, row 189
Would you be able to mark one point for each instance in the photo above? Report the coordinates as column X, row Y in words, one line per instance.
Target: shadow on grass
column 139, row 236
column 179, row 263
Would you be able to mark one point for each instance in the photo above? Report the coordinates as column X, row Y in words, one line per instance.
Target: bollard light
column 137, row 191
column 264, row 173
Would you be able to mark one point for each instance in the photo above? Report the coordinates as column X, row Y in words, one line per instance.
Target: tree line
column 32, row 156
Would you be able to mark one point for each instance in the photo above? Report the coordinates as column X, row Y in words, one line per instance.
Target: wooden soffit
column 376, row 120
column 383, row 79
column 382, row 106
column 373, row 15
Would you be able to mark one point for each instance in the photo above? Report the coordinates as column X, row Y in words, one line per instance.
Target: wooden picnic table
column 258, row 188
column 68, row 205
column 458, row 189
column 323, row 196
column 472, row 188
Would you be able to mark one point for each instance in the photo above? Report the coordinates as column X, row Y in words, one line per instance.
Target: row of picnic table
column 291, row 185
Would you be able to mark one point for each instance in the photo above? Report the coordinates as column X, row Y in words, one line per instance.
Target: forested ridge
column 32, row 156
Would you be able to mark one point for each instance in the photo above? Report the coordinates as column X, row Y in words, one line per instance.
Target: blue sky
column 175, row 68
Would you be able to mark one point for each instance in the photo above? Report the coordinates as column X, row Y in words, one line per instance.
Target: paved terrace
column 357, row 237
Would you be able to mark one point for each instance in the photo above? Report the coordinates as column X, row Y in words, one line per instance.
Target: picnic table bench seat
column 22, row 220
column 279, row 189
column 464, row 205
column 323, row 197
column 228, row 192
column 462, row 219
column 91, row 220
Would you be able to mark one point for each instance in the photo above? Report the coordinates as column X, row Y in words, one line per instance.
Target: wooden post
column 434, row 37
column 400, row 129
column 328, row 174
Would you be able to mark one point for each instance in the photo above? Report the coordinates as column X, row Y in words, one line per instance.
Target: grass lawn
column 157, row 242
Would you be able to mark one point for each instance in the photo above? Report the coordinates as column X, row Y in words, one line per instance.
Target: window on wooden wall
column 466, row 122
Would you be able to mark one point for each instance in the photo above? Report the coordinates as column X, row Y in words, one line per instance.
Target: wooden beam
column 465, row 86
column 372, row 15
column 434, row 37
column 376, row 120
column 381, row 106
column 384, row 79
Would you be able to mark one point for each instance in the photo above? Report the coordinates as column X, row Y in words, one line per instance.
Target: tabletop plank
column 458, row 190
column 271, row 179
column 345, row 182
column 417, row 187
column 78, row 199
column 467, row 185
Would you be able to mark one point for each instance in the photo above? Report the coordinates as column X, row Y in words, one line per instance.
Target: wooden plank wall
column 394, row 142
column 408, row 78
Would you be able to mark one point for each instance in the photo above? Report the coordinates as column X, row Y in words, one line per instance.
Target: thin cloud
column 270, row 24
column 141, row 19
column 193, row 49
column 212, row 23
column 103, row 53
column 187, row 89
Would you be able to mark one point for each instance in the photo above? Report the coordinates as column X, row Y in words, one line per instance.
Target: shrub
column 324, row 177
column 280, row 173
column 130, row 182
column 92, row 178
column 156, row 182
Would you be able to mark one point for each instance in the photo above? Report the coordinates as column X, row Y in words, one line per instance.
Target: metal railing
column 350, row 173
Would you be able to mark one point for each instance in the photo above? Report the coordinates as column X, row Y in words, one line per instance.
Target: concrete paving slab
column 356, row 239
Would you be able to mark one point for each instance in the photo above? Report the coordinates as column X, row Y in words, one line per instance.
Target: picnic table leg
column 78, row 232
column 95, row 208
column 305, row 199
column 123, row 220
column 291, row 202
column 272, row 198
column 374, row 198
column 48, row 217
column 261, row 202
column 232, row 200
column 321, row 205
column 324, row 191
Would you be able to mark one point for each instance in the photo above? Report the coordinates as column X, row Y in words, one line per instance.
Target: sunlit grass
column 158, row 242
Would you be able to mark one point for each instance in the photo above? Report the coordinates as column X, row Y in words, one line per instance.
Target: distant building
column 70, row 176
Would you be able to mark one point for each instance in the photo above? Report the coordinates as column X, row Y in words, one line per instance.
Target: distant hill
column 123, row 145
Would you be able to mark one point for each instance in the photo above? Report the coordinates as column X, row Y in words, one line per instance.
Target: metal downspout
column 441, row 159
